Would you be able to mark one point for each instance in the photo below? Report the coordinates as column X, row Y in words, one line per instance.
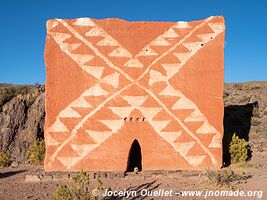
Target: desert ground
column 13, row 185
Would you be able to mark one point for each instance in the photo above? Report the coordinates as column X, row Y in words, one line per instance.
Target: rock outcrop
column 21, row 122
column 245, row 113
column 247, row 95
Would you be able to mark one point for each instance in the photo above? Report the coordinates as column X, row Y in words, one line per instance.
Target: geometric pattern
column 106, row 85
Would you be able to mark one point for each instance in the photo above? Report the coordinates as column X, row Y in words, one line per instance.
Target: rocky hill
column 21, row 118
column 245, row 113
column 22, row 115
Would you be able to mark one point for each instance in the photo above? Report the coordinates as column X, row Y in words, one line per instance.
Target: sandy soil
column 13, row 185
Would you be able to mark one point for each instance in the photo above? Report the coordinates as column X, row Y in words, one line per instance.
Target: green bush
column 77, row 188
column 5, row 159
column 238, row 150
column 36, row 153
column 99, row 187
column 62, row 193
column 225, row 177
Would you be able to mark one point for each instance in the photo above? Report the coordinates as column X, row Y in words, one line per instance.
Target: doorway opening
column 135, row 157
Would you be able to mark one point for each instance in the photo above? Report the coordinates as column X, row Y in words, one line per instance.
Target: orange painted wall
column 167, row 76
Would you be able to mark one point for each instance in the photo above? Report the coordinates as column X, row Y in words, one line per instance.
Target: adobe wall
column 110, row 82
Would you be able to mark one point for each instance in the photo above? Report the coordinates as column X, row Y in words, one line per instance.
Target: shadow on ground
column 150, row 186
column 11, row 173
column 237, row 119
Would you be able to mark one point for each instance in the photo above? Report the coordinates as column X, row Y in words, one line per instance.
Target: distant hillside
column 22, row 115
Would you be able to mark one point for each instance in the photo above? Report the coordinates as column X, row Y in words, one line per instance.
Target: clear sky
column 22, row 30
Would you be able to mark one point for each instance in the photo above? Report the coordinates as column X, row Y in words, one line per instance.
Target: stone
column 120, row 175
column 21, row 124
column 102, row 175
column 32, row 178
column 121, row 95
column 92, row 175
column 134, row 176
column 66, row 176
column 57, row 177
column 47, row 178
column 111, row 175
column 14, row 164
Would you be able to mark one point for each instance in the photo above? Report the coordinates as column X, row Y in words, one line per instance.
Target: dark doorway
column 237, row 119
column 135, row 157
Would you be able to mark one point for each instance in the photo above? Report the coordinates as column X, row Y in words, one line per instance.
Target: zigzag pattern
column 74, row 123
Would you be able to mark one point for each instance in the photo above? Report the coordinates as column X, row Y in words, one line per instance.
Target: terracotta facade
column 111, row 82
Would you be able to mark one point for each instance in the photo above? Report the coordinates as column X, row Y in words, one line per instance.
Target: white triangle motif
column 108, row 41
column 50, row 141
column 149, row 112
column 195, row 160
column 170, row 137
column 94, row 71
column 114, row 125
column 196, row 115
column 122, row 111
column 133, row 63
column 58, row 126
column 156, row 76
column 184, row 147
column 94, row 32
column 170, row 91
column 183, row 57
column 206, row 37
column 135, row 101
column 60, row 37
column 183, row 103
column 120, row 52
column 80, row 103
column 112, row 79
column 81, row 58
column 192, row 46
column 83, row 149
column 69, row 112
column 68, row 161
column 216, row 141
column 217, row 27
column 171, row 69
column 206, row 128
column 147, row 52
column 84, row 22
column 68, row 47
column 98, row 136
column 182, row 24
column 159, row 125
column 95, row 91
column 170, row 34
column 160, row 42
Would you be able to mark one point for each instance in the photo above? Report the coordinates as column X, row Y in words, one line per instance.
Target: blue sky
column 22, row 32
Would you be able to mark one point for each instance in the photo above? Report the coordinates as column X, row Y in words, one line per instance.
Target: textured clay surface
column 111, row 82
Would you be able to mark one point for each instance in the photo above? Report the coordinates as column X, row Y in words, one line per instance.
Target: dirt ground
column 13, row 185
